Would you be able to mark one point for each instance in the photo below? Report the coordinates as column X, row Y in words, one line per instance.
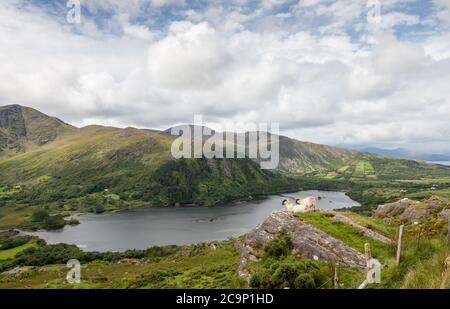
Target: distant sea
column 440, row 162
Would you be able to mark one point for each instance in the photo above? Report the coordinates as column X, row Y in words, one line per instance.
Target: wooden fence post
column 399, row 244
column 368, row 254
column 367, row 251
column 448, row 231
column 418, row 236
column 336, row 276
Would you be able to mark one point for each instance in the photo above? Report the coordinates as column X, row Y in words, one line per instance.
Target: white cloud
column 234, row 64
column 190, row 56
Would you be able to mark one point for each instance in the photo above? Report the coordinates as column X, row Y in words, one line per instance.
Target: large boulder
column 444, row 214
column 393, row 209
column 409, row 210
column 308, row 241
column 411, row 214
column 435, row 202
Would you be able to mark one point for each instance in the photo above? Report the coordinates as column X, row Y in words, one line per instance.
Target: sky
column 347, row 72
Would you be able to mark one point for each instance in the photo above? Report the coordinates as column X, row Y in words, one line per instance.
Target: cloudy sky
column 332, row 72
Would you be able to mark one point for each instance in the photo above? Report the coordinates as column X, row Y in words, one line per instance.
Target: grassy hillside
column 195, row 266
column 213, row 265
column 50, row 165
column 101, row 168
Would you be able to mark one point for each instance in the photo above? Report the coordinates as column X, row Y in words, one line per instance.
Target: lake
column 156, row 226
column 440, row 162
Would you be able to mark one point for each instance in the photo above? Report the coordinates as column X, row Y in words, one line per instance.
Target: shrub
column 39, row 216
column 280, row 246
column 280, row 269
column 54, row 223
column 289, row 273
column 14, row 242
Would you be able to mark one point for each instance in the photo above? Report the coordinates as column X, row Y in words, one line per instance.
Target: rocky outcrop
column 444, row 214
column 409, row 210
column 393, row 209
column 364, row 230
column 412, row 214
column 20, row 125
column 308, row 241
column 435, row 202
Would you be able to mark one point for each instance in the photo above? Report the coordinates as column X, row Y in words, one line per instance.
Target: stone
column 435, row 202
column 388, row 220
column 393, row 209
column 444, row 214
column 412, row 214
column 308, row 241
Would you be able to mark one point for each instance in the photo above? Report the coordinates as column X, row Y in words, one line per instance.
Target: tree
column 40, row 216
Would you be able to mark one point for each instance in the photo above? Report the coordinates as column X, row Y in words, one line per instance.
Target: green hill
column 46, row 163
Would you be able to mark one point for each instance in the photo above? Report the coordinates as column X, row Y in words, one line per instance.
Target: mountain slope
column 98, row 168
column 301, row 157
column 23, row 127
column 48, row 162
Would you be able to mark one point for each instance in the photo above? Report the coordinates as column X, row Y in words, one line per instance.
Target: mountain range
column 45, row 160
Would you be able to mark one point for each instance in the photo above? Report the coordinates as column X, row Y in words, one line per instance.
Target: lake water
column 146, row 227
column 440, row 162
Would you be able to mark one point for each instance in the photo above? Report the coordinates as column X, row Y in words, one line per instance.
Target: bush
column 14, row 242
column 289, row 273
column 61, row 253
column 280, row 246
column 39, row 216
column 54, row 223
column 298, row 274
column 279, row 269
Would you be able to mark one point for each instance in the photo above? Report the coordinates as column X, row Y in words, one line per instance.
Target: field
column 213, row 265
column 11, row 253
column 196, row 266
column 422, row 266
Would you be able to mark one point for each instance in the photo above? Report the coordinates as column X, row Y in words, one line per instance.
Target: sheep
column 310, row 202
column 302, row 205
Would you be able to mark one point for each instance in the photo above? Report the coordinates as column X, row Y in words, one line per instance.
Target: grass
column 428, row 193
column 14, row 215
column 374, row 224
column 11, row 253
column 347, row 234
column 428, row 274
column 419, row 268
column 363, row 169
column 196, row 266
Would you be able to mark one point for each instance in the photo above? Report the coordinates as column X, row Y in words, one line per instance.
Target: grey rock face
column 393, row 209
column 308, row 241
column 11, row 118
column 409, row 210
column 435, row 202
column 411, row 214
column 444, row 214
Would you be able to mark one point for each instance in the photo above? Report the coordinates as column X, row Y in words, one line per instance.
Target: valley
column 51, row 171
